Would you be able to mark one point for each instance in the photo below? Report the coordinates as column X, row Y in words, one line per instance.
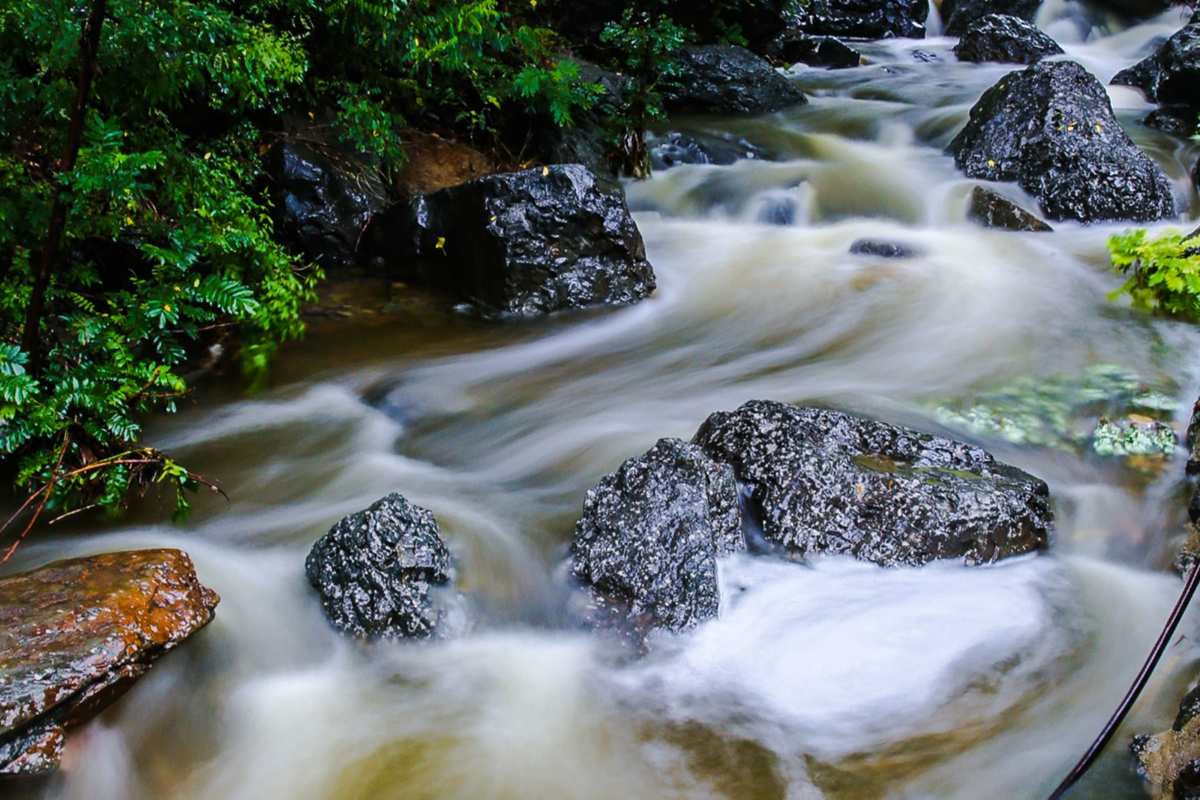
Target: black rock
column 675, row 148
column 865, row 19
column 651, row 533
column 959, row 14
column 881, row 249
column 1171, row 75
column 925, row 57
column 777, row 210
column 377, row 572
column 1051, row 129
column 726, row 79
column 794, row 46
column 1176, row 120
column 323, row 201
column 992, row 210
column 531, row 242
column 998, row 37
column 823, row 481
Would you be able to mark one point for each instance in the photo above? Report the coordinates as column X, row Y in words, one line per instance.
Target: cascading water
column 833, row 679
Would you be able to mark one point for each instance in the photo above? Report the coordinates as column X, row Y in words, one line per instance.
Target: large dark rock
column 74, row 635
column 959, row 14
column 674, row 149
column 530, row 242
column 1171, row 75
column 379, row 571
column 794, row 46
column 726, row 79
column 992, row 210
column 323, row 200
column 1051, row 129
column 1007, row 39
column 824, row 481
column 865, row 19
column 651, row 533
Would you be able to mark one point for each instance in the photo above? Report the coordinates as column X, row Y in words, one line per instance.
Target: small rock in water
column 651, row 533
column 796, row 47
column 1175, row 120
column 379, row 572
column 992, row 210
column 675, row 149
column 74, row 635
column 1051, row 129
column 881, row 249
column 1006, row 39
column 726, row 79
column 823, row 481
column 925, row 57
column 1133, row 435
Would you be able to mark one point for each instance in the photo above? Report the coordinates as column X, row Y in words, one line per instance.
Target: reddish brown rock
column 76, row 634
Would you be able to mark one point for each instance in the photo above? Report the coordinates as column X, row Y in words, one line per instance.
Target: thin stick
column 1139, row 683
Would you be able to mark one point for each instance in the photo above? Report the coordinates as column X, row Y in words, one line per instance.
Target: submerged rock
column 797, row 47
column 76, row 634
column 1171, row 75
column 726, row 79
column 1051, row 129
column 828, row 482
column 865, row 19
column 674, row 149
column 992, row 210
column 1007, row 39
column 959, row 14
column 651, row 533
column 1133, row 435
column 378, row 572
column 323, row 201
column 531, row 242
column 881, row 249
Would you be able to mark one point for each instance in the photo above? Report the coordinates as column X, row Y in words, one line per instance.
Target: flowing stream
column 832, row 679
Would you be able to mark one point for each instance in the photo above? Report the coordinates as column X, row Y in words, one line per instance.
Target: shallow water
column 832, row 679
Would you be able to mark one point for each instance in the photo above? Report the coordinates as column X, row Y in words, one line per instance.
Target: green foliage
column 1163, row 273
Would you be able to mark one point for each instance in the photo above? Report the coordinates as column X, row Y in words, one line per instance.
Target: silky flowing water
column 827, row 679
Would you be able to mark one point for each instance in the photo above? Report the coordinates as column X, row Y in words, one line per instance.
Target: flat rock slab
column 75, row 634
column 824, row 481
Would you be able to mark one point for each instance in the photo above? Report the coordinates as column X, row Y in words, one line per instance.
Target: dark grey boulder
column 526, row 243
column 378, row 572
column 651, row 533
column 323, row 201
column 1051, row 129
column 823, row 481
column 992, row 210
column 1176, row 120
column 674, row 149
column 726, row 79
column 865, row 19
column 1171, row 75
column 1006, row 39
column 959, row 14
column 881, row 249
column 794, row 46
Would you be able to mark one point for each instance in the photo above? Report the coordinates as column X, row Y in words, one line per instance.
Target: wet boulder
column 1051, row 129
column 74, row 635
column 384, row 573
column 1171, row 75
column 823, row 481
column 993, row 210
column 727, row 79
column 865, row 19
column 794, row 46
column 525, row 243
column 648, row 542
column 323, row 200
column 1175, row 120
column 959, row 14
column 1007, row 39
column 1170, row 761
column 881, row 249
column 674, row 149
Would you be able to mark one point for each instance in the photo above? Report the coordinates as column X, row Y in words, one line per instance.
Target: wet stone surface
column 74, row 635
column 378, row 572
column 823, row 481
column 992, row 210
column 726, row 79
column 651, row 533
column 1006, row 39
